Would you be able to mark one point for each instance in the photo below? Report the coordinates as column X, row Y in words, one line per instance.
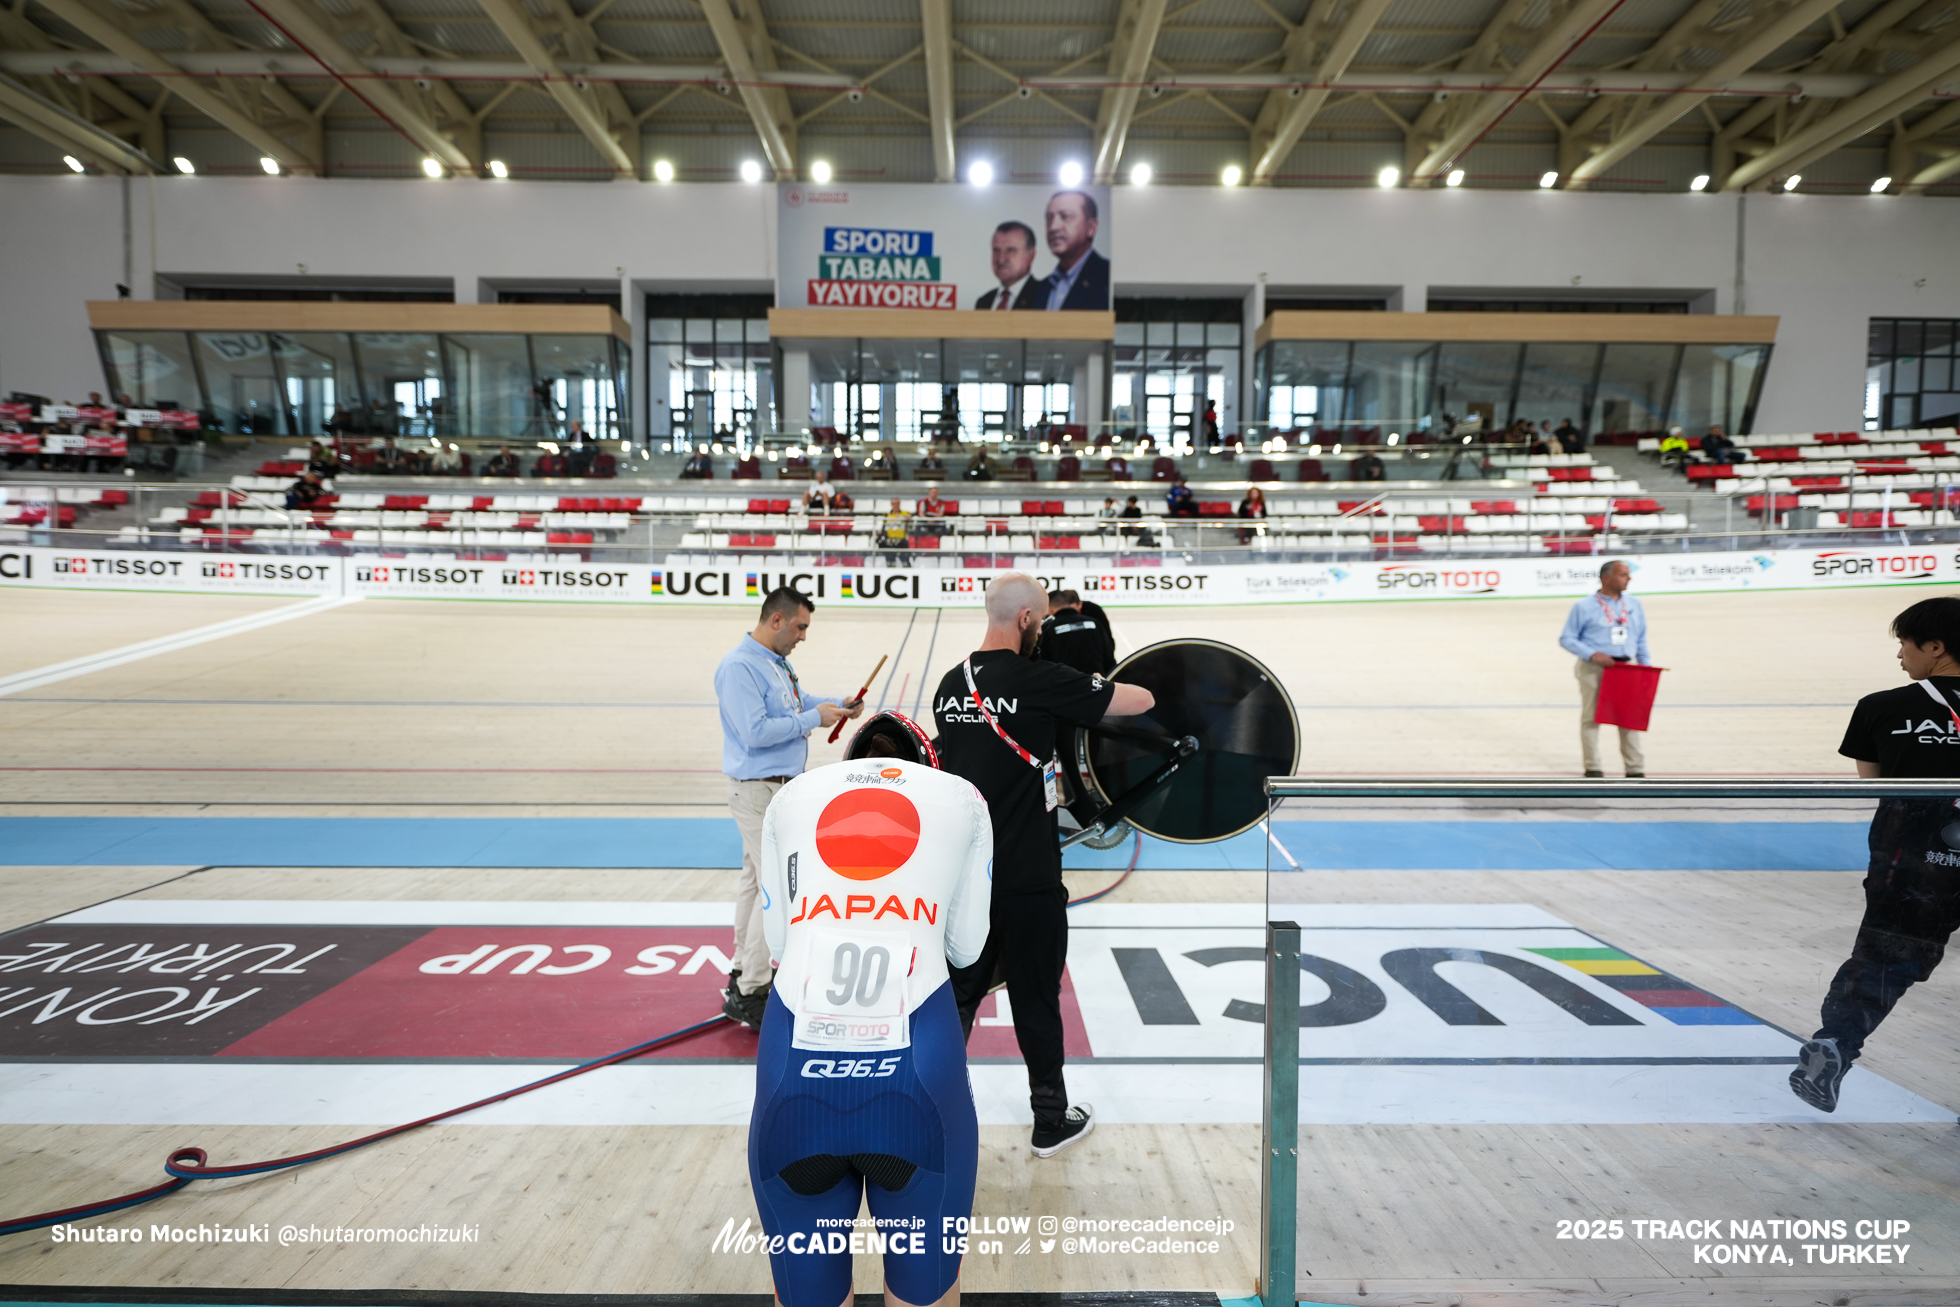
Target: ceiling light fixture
column 1071, row 173
column 1232, row 175
column 981, row 173
column 820, row 172
column 185, row 166
column 1549, row 180
column 663, row 171
column 1790, row 182
column 270, row 164
column 1140, row 175
column 1388, row 177
column 1455, row 178
column 432, row 166
column 1700, row 183
column 499, row 170
column 1882, row 185
column 751, row 171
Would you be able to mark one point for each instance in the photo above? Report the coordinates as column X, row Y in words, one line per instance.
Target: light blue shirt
column 765, row 714
column 1589, row 628
column 1061, row 283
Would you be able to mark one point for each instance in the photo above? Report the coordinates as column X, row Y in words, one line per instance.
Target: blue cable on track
column 185, row 1165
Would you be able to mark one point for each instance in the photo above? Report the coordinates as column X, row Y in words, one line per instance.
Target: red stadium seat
column 1262, row 470
column 1068, row 468
column 1119, row 469
column 748, row 469
column 1310, row 470
column 1162, row 469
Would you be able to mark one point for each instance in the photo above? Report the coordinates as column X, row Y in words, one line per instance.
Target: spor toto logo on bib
column 865, row 834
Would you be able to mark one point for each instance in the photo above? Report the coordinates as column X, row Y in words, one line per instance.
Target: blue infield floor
column 712, row 842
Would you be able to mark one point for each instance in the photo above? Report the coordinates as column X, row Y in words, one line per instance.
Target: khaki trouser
column 1589, row 673
column 748, row 800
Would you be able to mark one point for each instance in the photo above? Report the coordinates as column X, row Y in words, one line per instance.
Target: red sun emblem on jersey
column 865, row 834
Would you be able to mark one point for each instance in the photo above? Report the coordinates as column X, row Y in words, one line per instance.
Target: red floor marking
column 394, row 1009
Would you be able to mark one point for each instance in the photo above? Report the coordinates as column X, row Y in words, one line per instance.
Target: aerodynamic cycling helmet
column 892, row 735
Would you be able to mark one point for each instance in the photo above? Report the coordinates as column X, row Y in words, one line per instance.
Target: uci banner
column 942, row 247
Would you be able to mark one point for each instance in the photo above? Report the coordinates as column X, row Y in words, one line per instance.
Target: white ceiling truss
column 1581, row 94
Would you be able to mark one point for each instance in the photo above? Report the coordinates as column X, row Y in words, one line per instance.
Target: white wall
column 1825, row 264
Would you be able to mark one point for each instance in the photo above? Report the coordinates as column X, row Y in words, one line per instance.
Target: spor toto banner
column 942, row 247
column 679, row 582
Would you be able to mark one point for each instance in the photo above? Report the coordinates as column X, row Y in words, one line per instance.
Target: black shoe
column 1820, row 1070
column 1076, row 1124
column 745, row 1008
column 1595, row 775
column 1636, row 775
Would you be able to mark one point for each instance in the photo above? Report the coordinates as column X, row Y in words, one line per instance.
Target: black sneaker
column 1595, row 775
column 1820, row 1070
column 745, row 1008
column 1076, row 1124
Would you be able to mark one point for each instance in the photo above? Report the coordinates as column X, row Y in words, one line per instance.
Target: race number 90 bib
column 854, row 992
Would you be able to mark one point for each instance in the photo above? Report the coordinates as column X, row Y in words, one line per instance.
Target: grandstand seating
column 1845, row 475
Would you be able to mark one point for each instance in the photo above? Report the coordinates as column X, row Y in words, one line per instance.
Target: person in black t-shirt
column 1030, row 704
column 1912, row 886
column 1072, row 637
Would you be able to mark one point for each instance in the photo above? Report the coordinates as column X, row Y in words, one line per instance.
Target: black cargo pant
column 1910, row 911
column 1027, row 947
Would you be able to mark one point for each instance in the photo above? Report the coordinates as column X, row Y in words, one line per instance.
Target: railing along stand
column 1279, row 1189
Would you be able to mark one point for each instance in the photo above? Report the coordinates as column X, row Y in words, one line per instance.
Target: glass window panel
column 322, row 390
column 1129, row 333
column 153, row 369
column 1716, row 385
column 576, row 372
column 401, row 382
column 1936, row 374
column 1478, row 377
column 728, row 330
column 1390, row 385
column 1911, row 332
column 663, row 329
column 1634, row 382
column 1223, row 333
column 1880, row 341
column 1939, row 337
column 491, row 387
column 1557, row 383
column 758, row 330
column 1905, row 376
column 245, row 391
column 699, row 331
column 1190, row 333
column 1307, row 382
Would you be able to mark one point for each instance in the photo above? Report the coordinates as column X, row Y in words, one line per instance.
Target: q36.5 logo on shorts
column 850, row 1068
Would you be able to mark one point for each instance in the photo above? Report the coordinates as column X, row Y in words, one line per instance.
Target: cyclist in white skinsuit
column 876, row 872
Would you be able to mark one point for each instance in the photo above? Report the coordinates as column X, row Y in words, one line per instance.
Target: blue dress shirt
column 1589, row 628
column 765, row 714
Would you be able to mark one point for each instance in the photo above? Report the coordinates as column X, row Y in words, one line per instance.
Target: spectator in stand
column 389, row 459
column 448, row 461
column 699, row 468
column 818, row 498
column 503, row 463
column 1369, row 467
column 304, row 492
column 1718, row 448
column 932, row 505
column 980, row 467
column 896, row 532
column 579, row 448
column 1569, row 438
column 1107, row 514
column 1132, row 512
column 841, row 503
column 1674, row 448
column 1541, row 444
column 1179, row 499
column 1252, row 507
column 321, row 459
column 931, row 463
column 1212, row 439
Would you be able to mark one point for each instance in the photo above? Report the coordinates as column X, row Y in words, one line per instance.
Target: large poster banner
column 942, row 247
column 692, row 579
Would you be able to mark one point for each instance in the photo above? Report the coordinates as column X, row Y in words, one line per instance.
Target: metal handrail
column 1311, row 787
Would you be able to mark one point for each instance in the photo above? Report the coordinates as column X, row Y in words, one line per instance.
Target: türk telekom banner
column 942, row 247
column 685, row 580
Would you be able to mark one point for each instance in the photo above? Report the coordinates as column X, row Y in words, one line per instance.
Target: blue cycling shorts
column 834, row 1130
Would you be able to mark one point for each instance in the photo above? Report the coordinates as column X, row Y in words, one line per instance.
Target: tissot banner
column 1037, row 248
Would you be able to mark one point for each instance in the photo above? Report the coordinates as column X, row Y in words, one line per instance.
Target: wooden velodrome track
column 412, row 709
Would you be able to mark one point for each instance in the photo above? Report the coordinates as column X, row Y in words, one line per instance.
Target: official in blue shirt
column 1606, row 627
column 766, row 719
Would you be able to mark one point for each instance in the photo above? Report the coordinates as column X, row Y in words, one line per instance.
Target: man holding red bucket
column 1607, row 632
